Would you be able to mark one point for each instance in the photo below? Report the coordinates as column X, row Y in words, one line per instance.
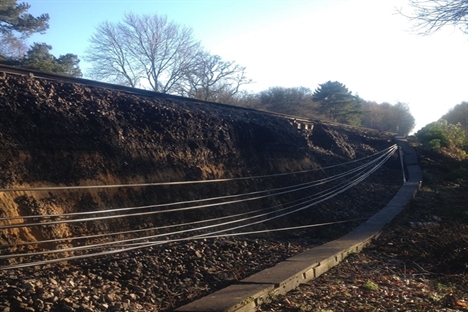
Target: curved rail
column 351, row 177
column 278, row 287
column 26, row 72
column 302, row 122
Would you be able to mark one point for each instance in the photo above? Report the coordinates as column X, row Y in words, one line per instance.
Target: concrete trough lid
column 237, row 297
column 250, row 293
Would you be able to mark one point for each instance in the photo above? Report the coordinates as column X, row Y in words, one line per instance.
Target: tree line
column 334, row 102
column 449, row 136
column 151, row 52
column 16, row 25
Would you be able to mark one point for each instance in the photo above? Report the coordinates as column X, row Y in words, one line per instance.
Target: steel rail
column 146, row 238
column 26, row 72
column 328, row 195
column 300, row 200
column 79, row 187
column 32, row 73
column 279, row 191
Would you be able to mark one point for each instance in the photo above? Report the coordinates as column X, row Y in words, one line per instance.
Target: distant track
column 26, row 72
column 320, row 267
column 141, row 92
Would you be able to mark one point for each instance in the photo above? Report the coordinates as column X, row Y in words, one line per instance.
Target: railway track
column 25, row 72
column 250, row 293
column 301, row 122
column 182, row 271
column 159, row 278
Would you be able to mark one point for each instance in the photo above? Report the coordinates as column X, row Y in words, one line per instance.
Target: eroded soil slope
column 62, row 134
column 56, row 133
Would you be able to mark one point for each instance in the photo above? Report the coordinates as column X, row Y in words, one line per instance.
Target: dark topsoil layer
column 56, row 133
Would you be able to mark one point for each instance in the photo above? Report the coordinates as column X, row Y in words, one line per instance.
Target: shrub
column 435, row 145
column 443, row 135
column 458, row 174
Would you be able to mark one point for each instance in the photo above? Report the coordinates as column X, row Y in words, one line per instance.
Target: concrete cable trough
column 248, row 294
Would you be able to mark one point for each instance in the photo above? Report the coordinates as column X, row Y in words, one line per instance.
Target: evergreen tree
column 16, row 25
column 69, row 65
column 338, row 103
column 38, row 57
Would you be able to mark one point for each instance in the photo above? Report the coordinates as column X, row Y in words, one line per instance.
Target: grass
column 370, row 286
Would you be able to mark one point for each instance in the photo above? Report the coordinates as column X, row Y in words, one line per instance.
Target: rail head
column 36, row 74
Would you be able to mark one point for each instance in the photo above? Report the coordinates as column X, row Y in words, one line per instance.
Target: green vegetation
column 371, row 286
column 442, row 198
column 38, row 57
column 450, row 142
column 458, row 115
column 441, row 135
column 338, row 103
column 15, row 27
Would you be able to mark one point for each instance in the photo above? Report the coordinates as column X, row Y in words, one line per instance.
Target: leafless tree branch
column 150, row 52
column 430, row 16
column 213, row 79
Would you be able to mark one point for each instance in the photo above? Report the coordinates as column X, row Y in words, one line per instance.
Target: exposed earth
column 63, row 134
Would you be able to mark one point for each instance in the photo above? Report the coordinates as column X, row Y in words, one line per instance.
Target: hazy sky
column 364, row 44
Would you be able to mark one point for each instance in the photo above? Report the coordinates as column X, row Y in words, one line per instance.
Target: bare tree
column 431, row 15
column 12, row 48
column 212, row 79
column 143, row 51
column 387, row 117
column 110, row 57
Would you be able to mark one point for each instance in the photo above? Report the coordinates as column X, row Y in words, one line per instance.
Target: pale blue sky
column 361, row 43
